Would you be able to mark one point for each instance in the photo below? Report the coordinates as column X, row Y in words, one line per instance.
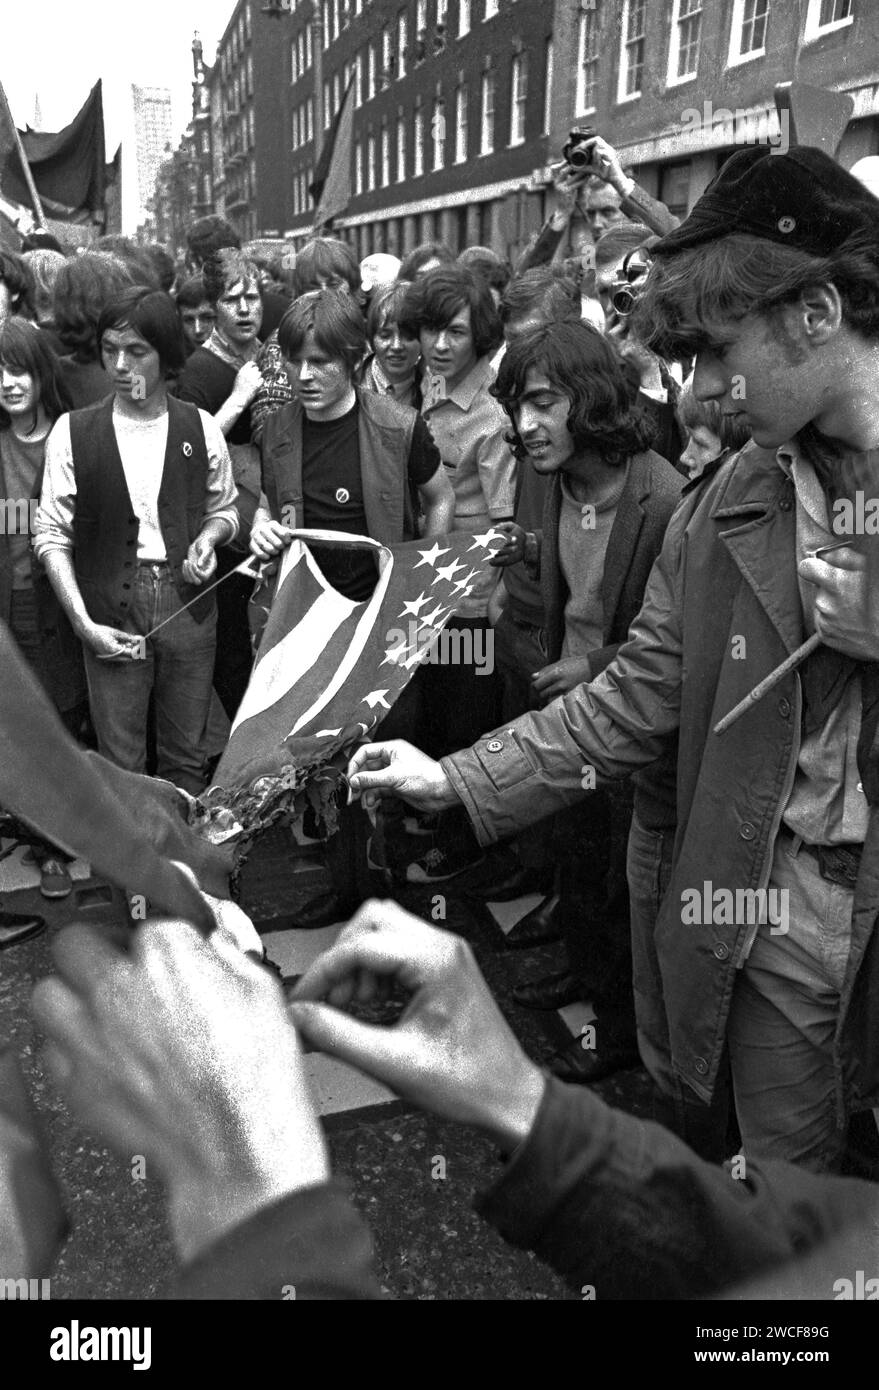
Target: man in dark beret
column 763, row 963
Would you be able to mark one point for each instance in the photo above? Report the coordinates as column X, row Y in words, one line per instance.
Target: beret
column 801, row 198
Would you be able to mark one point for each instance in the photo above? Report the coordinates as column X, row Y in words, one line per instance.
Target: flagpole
column 25, row 167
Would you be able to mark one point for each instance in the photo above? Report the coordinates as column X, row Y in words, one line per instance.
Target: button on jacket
column 727, row 572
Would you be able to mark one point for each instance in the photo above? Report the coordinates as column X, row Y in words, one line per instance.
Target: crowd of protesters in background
column 580, row 409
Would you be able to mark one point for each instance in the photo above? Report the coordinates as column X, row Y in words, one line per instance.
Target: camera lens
column 579, row 157
column 623, row 301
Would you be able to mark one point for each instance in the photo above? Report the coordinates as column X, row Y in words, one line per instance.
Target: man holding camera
column 591, row 181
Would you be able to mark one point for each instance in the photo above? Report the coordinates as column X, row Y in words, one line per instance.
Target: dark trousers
column 234, row 656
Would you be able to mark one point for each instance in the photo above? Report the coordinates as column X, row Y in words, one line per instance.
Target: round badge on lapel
column 786, row 224
column 187, row 451
column 342, row 494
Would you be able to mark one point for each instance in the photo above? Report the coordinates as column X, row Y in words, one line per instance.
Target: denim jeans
column 177, row 669
column 703, row 1127
column 784, row 1016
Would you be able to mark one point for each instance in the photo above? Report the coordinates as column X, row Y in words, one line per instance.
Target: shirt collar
column 400, row 390
column 465, row 393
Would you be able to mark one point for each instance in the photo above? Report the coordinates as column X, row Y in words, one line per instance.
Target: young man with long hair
column 137, row 495
column 765, row 955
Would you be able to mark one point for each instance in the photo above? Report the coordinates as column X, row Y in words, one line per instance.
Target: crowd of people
column 659, row 429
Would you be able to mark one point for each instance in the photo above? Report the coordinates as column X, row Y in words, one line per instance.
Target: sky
column 59, row 49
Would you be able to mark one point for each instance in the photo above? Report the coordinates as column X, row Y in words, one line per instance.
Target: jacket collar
column 756, row 507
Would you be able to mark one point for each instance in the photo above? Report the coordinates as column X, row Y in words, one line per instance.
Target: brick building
column 460, row 105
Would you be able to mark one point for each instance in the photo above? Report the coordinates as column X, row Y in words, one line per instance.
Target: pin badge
column 342, row 494
column 187, row 451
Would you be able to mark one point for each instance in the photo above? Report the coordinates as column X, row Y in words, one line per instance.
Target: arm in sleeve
column 310, row 1245
column 544, row 247
column 497, row 471
column 221, row 494
column 640, row 207
column 623, row 1207
column 53, row 523
column 513, row 777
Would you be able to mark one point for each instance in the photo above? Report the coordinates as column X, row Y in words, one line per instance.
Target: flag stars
column 486, row 539
column 432, row 619
column 376, row 697
column 462, row 583
column 448, row 571
column 430, row 557
column 415, row 605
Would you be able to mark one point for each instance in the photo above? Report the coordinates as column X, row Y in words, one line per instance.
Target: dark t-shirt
column 332, row 494
column 207, row 381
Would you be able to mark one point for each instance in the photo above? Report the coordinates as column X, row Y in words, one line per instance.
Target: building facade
column 152, row 138
column 461, row 106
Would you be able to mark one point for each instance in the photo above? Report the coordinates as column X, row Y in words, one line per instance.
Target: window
column 309, row 118
column 823, row 16
column 337, row 92
column 296, row 129
column 370, row 72
column 358, row 168
column 486, row 140
column 518, row 98
column 358, row 80
column 296, row 197
column 247, row 23
column 462, row 96
column 547, row 91
column 401, row 149
column 370, row 163
column 463, row 18
column 490, row 8
column 309, row 53
column 632, row 49
column 438, row 131
column 386, row 155
column 325, row 24
column 683, row 51
column 402, row 43
column 442, row 14
column 748, row 31
column 250, row 74
column 327, row 113
column 419, row 142
column 358, row 6
column 421, row 15
column 294, row 61
column 251, row 127
column 386, row 50
column 335, row 19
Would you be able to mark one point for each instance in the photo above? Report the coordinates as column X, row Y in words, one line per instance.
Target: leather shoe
column 536, row 927
column 553, row 991
column 19, row 926
column 518, row 883
column 324, row 911
column 583, row 1066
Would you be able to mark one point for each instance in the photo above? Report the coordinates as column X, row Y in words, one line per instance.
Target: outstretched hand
column 399, row 768
column 182, row 1051
column 451, row 1051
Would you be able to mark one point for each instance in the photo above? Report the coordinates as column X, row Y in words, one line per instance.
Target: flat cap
column 801, row 198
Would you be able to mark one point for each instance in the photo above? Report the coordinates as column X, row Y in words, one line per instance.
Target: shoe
column 583, row 1066
column 19, row 926
column 324, row 911
column 553, row 991
column 536, row 927
column 55, row 881
column 437, row 865
column 518, row 883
